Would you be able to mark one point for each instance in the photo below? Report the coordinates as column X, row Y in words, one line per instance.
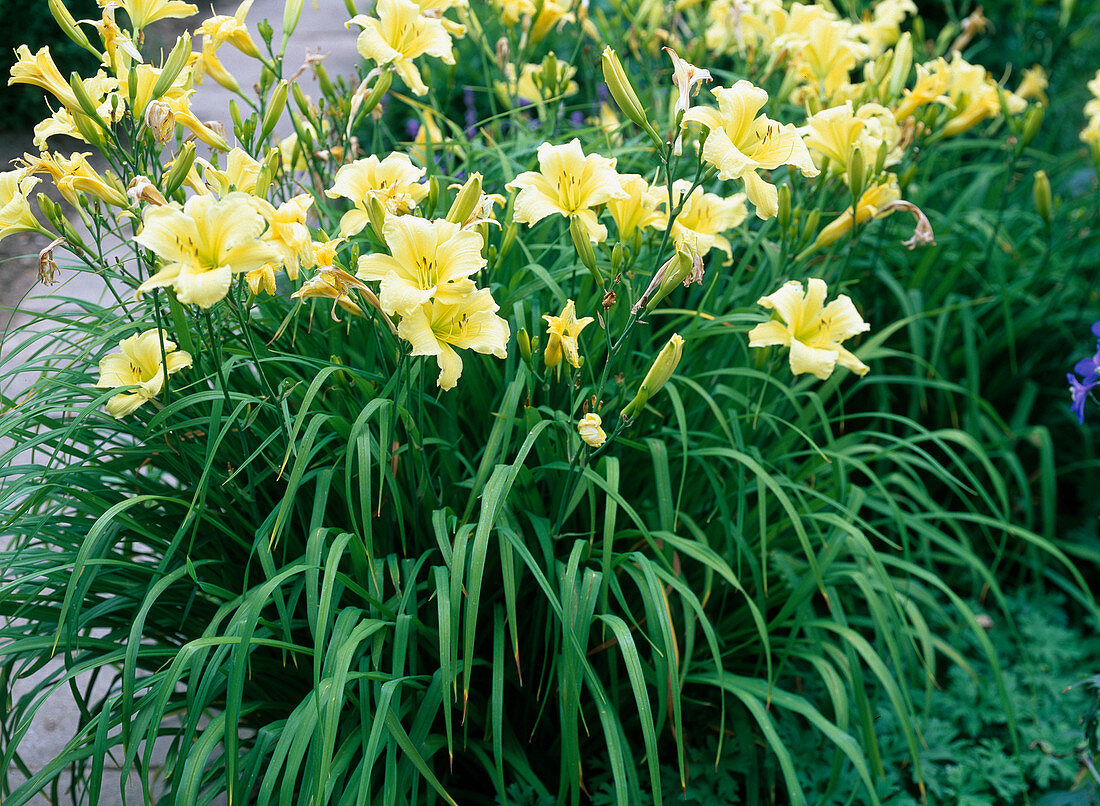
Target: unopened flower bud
column 173, row 66
column 551, row 356
column 857, row 172
column 663, row 367
column 466, row 201
column 621, row 90
column 181, row 166
column 583, row 244
column 783, row 216
column 617, row 258
column 523, row 341
column 1041, row 191
column 376, row 214
column 508, row 240
column 274, row 109
column 1032, row 123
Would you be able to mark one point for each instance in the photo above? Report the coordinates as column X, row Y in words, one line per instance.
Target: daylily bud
column 583, row 244
column 89, row 130
column 900, row 67
column 173, row 66
column 235, row 114
column 466, row 200
column 292, row 13
column 274, row 109
column 67, row 24
column 783, row 216
column 857, row 172
column 380, row 88
column 663, row 367
column 181, row 166
column 300, row 99
column 523, row 341
column 617, row 258
column 621, row 90
column 508, row 240
column 670, row 275
column 880, row 158
column 1032, row 123
column 376, row 213
column 82, row 98
column 1041, row 191
column 323, row 81
column 433, row 196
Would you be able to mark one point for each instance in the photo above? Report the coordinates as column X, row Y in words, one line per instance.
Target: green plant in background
column 377, row 485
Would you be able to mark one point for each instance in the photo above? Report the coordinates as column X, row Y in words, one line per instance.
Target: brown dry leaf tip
column 608, row 300
column 47, row 266
column 922, row 234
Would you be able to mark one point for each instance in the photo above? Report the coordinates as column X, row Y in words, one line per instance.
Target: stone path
column 321, row 29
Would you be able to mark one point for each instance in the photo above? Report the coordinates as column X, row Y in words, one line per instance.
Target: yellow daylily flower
column 563, row 332
column 567, row 183
column 533, row 84
column 399, row 34
column 144, row 12
column 550, row 13
column 40, row 70
column 428, row 260
column 468, row 323
column 639, row 209
column 394, row 181
column 435, row 9
column 240, row 172
column 1034, row 85
column 836, row 133
column 139, row 363
column 204, row 245
column 333, row 283
column 741, row 142
column 288, row 233
column 811, row 329
column 75, row 174
column 705, row 216
column 221, row 28
column 827, row 55
column 590, row 430
column 883, row 29
column 15, row 210
column 871, row 202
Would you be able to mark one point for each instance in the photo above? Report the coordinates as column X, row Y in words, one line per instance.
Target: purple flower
column 1089, row 370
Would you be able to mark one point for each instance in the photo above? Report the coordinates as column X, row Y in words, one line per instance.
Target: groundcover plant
column 546, row 415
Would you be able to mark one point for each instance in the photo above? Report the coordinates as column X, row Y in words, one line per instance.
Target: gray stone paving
column 321, row 30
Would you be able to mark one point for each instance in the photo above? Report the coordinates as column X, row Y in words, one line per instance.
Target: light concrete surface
column 321, row 30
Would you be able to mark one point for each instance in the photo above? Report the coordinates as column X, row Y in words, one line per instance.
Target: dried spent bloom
column 139, row 363
column 568, row 183
column 589, row 427
column 812, row 330
column 563, row 332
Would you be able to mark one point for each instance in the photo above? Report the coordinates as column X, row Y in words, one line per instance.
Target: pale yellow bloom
column 836, row 133
column 562, row 332
column 590, row 430
column 240, row 173
column 567, row 183
column 261, row 280
column 871, row 203
column 399, row 34
column 428, row 260
column 427, row 134
column 204, row 245
column 220, row 29
column 930, row 87
column 437, row 8
column 75, row 175
column 534, row 85
column 394, row 181
column 140, row 363
column 1034, row 85
column 332, row 283
column 811, row 329
column 741, row 142
column 1092, row 107
column 550, row 13
column 639, row 209
column 975, row 97
column 883, row 29
column 827, row 55
column 468, row 323
column 39, row 70
column 288, row 233
column 15, row 210
column 144, row 12
column 705, row 216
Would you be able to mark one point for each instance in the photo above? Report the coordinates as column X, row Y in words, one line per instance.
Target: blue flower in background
column 1089, row 371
